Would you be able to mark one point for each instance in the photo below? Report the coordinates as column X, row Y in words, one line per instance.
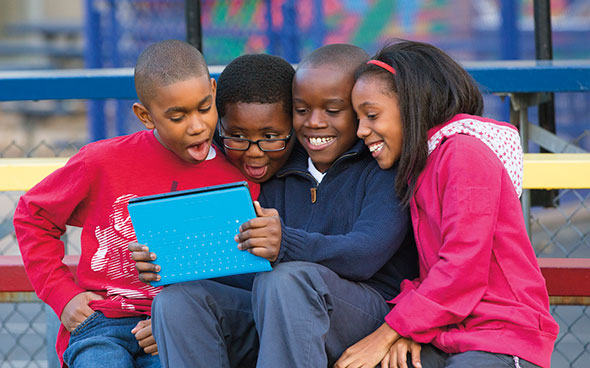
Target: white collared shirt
column 314, row 172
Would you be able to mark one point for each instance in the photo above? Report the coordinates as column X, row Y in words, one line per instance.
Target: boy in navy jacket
column 341, row 244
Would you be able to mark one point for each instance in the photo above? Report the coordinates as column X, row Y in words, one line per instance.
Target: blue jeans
column 100, row 342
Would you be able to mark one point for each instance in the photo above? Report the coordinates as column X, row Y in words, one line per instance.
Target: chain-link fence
column 562, row 230
column 117, row 30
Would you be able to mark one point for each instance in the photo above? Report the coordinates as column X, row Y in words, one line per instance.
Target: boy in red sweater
column 107, row 301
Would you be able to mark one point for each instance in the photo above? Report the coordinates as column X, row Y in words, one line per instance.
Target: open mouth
column 198, row 151
column 318, row 143
column 256, row 172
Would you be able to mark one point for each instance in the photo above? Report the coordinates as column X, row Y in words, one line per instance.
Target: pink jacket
column 480, row 287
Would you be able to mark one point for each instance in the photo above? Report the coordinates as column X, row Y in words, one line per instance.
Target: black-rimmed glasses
column 265, row 145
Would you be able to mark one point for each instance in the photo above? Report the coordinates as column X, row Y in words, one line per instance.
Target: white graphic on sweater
column 113, row 257
column 502, row 140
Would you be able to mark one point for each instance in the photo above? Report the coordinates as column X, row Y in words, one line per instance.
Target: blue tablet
column 192, row 232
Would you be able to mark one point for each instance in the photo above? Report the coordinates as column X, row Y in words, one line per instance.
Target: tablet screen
column 192, row 232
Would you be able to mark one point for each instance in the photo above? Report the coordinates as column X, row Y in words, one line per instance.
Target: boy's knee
column 288, row 277
column 178, row 296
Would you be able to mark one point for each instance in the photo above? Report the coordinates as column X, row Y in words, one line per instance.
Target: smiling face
column 380, row 122
column 256, row 121
column 323, row 117
column 184, row 117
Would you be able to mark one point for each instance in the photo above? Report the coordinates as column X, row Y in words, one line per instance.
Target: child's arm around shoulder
column 39, row 221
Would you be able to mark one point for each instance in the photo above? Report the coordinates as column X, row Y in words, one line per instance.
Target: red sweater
column 92, row 192
column 480, row 287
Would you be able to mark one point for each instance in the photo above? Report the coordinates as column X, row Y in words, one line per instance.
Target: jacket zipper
column 314, row 190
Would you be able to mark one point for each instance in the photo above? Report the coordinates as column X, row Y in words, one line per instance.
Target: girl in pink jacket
column 480, row 299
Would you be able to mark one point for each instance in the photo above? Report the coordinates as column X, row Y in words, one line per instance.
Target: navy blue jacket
column 356, row 226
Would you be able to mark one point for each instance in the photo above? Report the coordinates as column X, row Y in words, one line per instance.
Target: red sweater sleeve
column 39, row 222
column 466, row 183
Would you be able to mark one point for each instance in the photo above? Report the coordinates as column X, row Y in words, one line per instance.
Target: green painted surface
column 374, row 22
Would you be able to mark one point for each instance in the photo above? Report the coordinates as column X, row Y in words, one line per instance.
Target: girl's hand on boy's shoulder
column 142, row 256
column 261, row 236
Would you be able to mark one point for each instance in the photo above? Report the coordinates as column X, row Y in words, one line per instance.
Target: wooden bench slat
column 556, row 171
column 541, row 171
column 14, row 278
column 20, row 174
column 566, row 277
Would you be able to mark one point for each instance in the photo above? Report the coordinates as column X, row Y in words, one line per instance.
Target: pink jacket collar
column 502, row 138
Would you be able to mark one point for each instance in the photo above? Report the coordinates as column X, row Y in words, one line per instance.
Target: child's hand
column 398, row 354
column 141, row 255
column 77, row 310
column 371, row 350
column 143, row 334
column 261, row 236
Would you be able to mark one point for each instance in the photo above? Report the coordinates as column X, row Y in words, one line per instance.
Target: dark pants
column 431, row 357
column 307, row 315
column 204, row 324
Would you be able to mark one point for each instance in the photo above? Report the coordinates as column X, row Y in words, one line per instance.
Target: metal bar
column 524, row 76
column 92, row 59
column 290, row 36
column 493, row 77
column 543, row 41
column 550, row 142
column 273, row 47
column 194, row 34
column 509, row 35
column 546, row 110
column 115, row 56
column 526, row 194
column 319, row 25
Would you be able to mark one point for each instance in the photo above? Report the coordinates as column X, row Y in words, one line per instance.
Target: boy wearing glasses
column 215, row 326
column 254, row 105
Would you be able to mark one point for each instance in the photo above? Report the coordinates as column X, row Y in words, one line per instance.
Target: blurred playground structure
column 65, row 34
column 111, row 34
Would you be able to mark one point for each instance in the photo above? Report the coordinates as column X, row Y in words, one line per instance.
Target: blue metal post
column 509, row 35
column 319, row 26
column 509, row 39
column 270, row 32
column 290, row 39
column 115, row 36
column 92, row 58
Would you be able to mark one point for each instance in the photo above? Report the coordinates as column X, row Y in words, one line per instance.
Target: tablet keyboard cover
column 193, row 235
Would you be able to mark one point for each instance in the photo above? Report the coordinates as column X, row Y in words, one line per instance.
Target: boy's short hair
column 255, row 78
column 164, row 63
column 347, row 57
